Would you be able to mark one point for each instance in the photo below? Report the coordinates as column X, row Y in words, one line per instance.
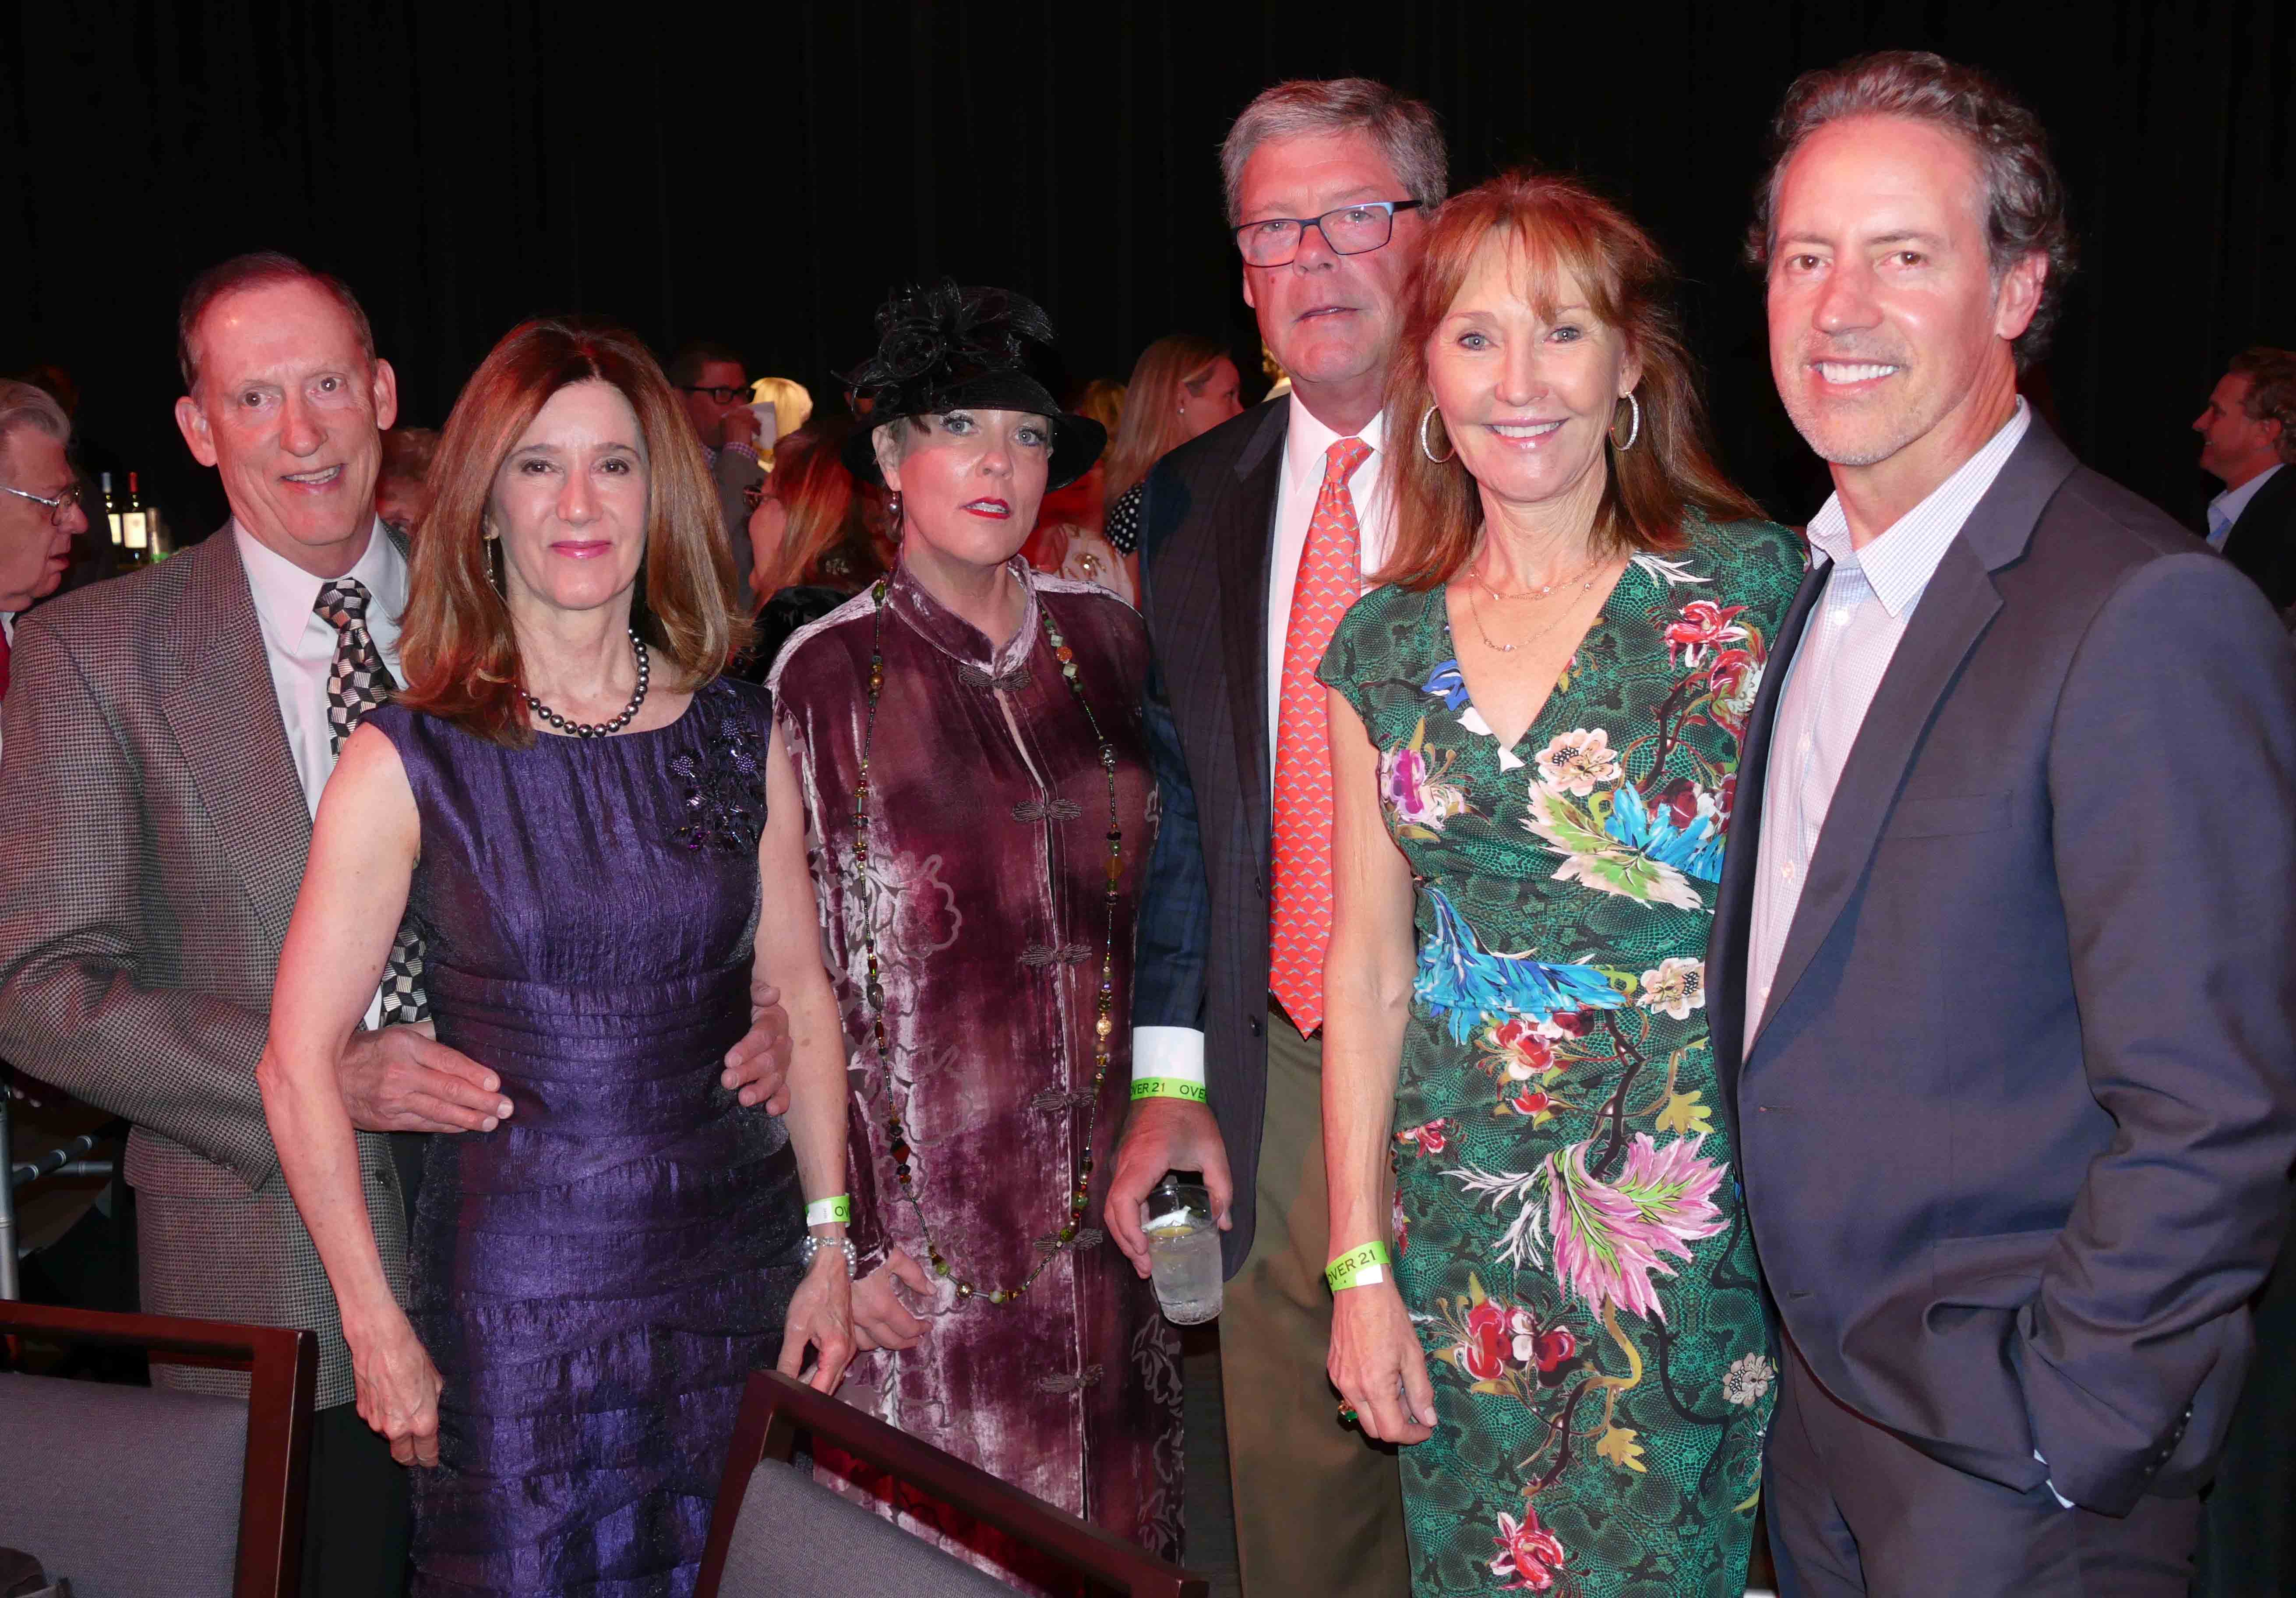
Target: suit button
column 1255, row 1027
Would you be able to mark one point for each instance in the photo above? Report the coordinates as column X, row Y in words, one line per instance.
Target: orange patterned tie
column 1331, row 578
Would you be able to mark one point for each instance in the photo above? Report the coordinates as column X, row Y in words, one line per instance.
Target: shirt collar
column 957, row 638
column 284, row 593
column 2233, row 501
column 1306, row 440
column 1899, row 563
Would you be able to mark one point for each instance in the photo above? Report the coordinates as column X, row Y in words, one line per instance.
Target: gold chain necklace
column 1103, row 1024
column 1474, row 611
column 1586, row 572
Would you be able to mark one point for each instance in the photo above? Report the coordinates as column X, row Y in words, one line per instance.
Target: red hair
column 456, row 642
column 1561, row 231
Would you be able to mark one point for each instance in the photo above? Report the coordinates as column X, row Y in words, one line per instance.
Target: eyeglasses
column 1350, row 230
column 58, row 507
column 723, row 396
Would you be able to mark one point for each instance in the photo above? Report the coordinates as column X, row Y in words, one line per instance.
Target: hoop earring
column 1634, row 409
column 1427, row 449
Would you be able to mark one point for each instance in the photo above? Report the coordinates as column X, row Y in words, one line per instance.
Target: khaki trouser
column 1317, row 1509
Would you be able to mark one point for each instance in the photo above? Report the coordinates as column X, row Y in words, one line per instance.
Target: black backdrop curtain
column 761, row 175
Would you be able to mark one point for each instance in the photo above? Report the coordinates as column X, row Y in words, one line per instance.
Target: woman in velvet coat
column 980, row 821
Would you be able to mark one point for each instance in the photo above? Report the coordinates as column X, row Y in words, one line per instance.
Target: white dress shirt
column 299, row 646
column 1178, row 1051
column 1846, row 646
column 2225, row 509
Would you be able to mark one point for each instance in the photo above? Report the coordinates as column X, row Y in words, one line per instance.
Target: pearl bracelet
column 813, row 1245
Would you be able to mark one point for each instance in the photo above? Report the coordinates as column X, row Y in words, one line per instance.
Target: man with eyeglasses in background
column 40, row 513
column 1255, row 538
column 715, row 383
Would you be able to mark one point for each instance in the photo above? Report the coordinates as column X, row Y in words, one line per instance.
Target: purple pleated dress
column 596, row 1279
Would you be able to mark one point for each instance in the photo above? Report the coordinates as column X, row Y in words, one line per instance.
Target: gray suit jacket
column 1208, row 527
column 2016, row 1129
column 735, row 475
column 157, row 835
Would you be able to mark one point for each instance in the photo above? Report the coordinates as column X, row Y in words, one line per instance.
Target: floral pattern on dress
column 723, row 799
column 1579, row 1267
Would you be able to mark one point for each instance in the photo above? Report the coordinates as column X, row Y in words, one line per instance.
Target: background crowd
column 1304, row 905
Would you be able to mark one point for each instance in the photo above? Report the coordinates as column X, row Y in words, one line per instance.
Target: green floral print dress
column 1573, row 1246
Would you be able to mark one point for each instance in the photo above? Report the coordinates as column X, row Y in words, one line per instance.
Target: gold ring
column 1347, row 1414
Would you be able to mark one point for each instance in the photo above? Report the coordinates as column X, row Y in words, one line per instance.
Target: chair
column 136, row 1491
column 778, row 1531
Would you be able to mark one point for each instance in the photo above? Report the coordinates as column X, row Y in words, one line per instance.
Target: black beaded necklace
column 586, row 729
column 1103, row 1025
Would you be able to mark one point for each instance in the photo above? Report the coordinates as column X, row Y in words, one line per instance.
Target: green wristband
column 829, row 1212
column 1357, row 1267
column 1170, row 1087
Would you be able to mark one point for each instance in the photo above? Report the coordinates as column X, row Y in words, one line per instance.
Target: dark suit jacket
column 1208, row 525
column 2263, row 542
column 156, row 837
column 2016, row 1128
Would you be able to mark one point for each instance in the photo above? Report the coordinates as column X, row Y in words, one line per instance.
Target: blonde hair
column 1152, row 405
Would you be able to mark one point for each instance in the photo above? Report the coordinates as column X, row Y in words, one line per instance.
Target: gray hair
column 2024, row 197
column 1405, row 130
column 21, row 405
column 2271, row 376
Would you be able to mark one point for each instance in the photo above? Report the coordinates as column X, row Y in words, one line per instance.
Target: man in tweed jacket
column 163, row 756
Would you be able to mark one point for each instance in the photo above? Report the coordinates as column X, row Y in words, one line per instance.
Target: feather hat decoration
column 944, row 348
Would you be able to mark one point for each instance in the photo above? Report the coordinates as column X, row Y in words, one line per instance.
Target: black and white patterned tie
column 358, row 682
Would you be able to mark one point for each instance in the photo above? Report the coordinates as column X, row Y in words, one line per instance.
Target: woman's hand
column 397, row 1390
column 880, row 1319
column 1378, row 1366
column 821, row 1314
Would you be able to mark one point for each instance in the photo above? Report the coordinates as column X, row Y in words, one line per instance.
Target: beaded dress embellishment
column 724, row 799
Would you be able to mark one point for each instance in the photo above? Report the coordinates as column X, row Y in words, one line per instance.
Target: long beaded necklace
column 1103, row 1024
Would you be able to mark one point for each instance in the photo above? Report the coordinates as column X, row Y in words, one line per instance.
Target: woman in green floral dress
column 1535, row 733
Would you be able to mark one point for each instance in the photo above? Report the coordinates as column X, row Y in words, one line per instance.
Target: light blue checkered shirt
column 1847, row 645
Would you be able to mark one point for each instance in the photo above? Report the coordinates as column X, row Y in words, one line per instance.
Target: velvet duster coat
column 987, row 888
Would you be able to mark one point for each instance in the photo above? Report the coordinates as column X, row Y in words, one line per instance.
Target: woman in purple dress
column 968, row 742
column 602, row 859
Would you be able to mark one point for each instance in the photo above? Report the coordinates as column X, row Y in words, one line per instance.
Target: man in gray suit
column 166, row 739
column 1329, row 185
column 715, row 384
column 2002, row 994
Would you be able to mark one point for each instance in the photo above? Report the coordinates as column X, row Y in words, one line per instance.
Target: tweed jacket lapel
column 225, row 714
column 1244, row 533
column 1955, row 611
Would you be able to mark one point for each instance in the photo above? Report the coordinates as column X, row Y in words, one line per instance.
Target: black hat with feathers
column 946, row 347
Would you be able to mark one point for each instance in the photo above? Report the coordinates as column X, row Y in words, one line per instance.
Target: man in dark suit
column 2248, row 437
column 167, row 737
column 1328, row 184
column 2002, row 998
